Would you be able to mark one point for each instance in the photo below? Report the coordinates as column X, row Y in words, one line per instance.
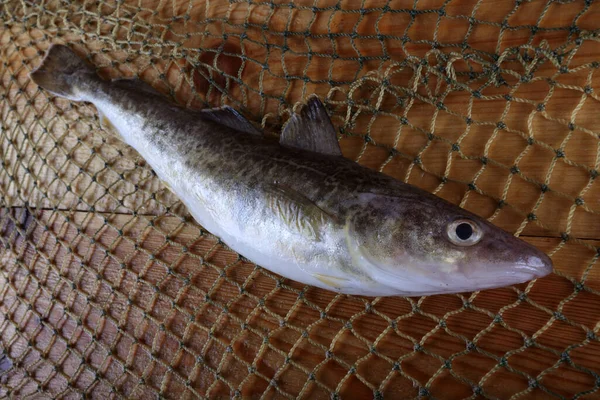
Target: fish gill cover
column 108, row 287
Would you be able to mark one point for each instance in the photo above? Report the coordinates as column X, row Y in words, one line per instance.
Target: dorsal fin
column 136, row 85
column 312, row 130
column 229, row 117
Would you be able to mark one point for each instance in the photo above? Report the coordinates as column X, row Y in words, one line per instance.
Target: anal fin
column 167, row 185
column 106, row 124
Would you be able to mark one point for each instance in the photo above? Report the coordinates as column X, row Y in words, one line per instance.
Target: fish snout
column 539, row 265
column 527, row 265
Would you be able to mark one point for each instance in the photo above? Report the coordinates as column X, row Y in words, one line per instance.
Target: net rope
column 108, row 287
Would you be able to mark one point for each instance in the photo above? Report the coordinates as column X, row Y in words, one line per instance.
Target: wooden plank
column 97, row 277
column 103, row 172
column 129, row 298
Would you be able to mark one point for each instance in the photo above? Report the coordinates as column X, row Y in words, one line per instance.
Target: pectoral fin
column 312, row 130
column 299, row 214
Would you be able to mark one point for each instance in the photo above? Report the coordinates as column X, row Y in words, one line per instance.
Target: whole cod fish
column 297, row 207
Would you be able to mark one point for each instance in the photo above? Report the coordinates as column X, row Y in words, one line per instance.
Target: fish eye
column 464, row 232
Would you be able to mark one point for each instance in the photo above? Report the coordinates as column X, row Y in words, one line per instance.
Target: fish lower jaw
column 388, row 284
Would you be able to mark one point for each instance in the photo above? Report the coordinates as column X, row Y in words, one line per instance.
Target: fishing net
column 108, row 288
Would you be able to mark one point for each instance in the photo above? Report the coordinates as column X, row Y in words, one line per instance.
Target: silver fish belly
column 297, row 207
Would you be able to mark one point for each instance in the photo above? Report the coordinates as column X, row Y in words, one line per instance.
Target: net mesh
column 108, row 288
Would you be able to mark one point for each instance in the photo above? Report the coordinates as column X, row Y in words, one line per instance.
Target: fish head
column 421, row 245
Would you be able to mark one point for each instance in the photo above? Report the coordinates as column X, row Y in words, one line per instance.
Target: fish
column 294, row 205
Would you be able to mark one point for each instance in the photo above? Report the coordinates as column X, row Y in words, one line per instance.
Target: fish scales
column 296, row 206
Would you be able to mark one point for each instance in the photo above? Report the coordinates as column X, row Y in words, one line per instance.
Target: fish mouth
column 493, row 281
column 540, row 265
column 421, row 279
column 509, row 274
column 425, row 286
column 529, row 268
column 481, row 277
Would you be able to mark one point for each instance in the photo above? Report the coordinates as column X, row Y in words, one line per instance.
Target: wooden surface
column 96, row 248
column 102, row 284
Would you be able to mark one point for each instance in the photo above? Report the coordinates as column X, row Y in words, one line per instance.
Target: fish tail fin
column 62, row 72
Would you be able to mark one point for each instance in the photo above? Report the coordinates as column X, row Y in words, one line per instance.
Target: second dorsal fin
column 311, row 130
column 229, row 117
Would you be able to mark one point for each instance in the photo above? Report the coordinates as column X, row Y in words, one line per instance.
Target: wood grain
column 87, row 276
column 108, row 287
column 101, row 172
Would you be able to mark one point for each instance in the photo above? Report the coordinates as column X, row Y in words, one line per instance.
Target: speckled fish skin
column 315, row 218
